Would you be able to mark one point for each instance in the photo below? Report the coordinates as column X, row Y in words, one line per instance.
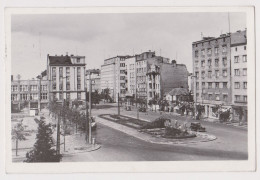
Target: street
column 231, row 144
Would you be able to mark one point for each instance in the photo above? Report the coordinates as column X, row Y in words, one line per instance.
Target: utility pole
column 58, row 135
column 90, row 90
column 118, row 105
column 87, row 119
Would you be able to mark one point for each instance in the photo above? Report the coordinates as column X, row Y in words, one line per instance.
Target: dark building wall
column 173, row 77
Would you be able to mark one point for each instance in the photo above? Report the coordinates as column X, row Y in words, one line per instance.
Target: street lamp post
column 90, row 90
column 195, row 95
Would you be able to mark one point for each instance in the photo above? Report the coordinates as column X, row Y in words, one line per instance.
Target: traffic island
column 154, row 132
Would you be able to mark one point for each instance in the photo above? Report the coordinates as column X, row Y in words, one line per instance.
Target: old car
column 196, row 126
column 142, row 109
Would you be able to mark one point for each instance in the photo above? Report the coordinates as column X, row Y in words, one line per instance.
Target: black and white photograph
column 121, row 86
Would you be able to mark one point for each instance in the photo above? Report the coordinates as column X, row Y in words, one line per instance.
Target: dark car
column 142, row 109
column 196, row 126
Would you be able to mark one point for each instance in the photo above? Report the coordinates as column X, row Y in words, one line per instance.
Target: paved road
column 118, row 146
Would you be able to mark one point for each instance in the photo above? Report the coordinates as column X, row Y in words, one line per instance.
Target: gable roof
column 178, row 91
column 58, row 60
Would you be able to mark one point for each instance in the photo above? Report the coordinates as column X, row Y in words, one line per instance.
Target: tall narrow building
column 66, row 76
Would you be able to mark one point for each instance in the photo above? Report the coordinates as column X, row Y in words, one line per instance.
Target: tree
column 106, row 94
column 43, row 148
column 18, row 134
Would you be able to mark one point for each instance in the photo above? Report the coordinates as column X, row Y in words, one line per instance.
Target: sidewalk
column 201, row 137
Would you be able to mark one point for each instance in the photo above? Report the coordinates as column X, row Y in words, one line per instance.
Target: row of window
column 33, row 96
column 14, row 88
column 240, row 98
column 209, row 51
column 215, row 97
column 237, row 58
column 203, row 62
column 237, row 72
column 217, row 74
column 217, row 85
column 237, row 85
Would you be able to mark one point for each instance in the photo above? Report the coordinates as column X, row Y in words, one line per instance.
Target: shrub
column 158, row 123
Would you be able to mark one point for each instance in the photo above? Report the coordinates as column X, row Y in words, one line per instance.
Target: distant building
column 113, row 75
column 66, row 75
column 163, row 77
column 239, row 74
column 143, row 63
column 95, row 78
column 211, row 66
column 130, row 77
column 29, row 93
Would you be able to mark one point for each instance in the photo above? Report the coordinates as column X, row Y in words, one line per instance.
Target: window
column 237, row 72
column 78, row 86
column 209, row 62
column 216, row 62
column 44, row 96
column 245, row 98
column 209, row 85
column 224, row 49
column 197, row 74
column 244, row 58
column 236, row 59
column 67, row 95
column 61, row 72
column 14, row 88
column 224, row 84
column 209, row 51
column 245, row 85
column 224, row 61
column 197, row 85
column 216, row 73
column 61, row 96
column 54, row 71
column 225, row 97
column 237, row 85
column 34, row 88
column 216, row 50
column 14, row 97
column 209, row 74
column 44, row 87
column 210, row 96
column 203, row 84
column 236, row 49
column 203, row 63
column 78, row 60
column 217, row 85
column 203, row 74
column 23, row 97
column 34, row 96
column 224, row 73
column 196, row 63
column 23, row 88
column 67, row 86
column 244, row 71
column 197, row 53
column 203, row 52
column 244, row 47
column 217, row 97
column 237, row 97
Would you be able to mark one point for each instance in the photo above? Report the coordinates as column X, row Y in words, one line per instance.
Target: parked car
column 142, row 109
column 196, row 126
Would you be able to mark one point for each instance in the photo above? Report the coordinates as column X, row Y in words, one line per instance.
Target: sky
column 101, row 36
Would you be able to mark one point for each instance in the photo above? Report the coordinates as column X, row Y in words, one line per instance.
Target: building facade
column 95, row 79
column 66, row 77
column 113, row 76
column 29, row 93
column 130, row 77
column 211, row 67
column 239, row 75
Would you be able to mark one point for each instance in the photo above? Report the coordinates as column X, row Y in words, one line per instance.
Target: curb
column 88, row 150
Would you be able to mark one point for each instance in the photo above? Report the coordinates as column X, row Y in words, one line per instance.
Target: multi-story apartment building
column 239, row 74
column 211, row 67
column 130, row 76
column 163, row 77
column 143, row 62
column 95, row 79
column 113, row 76
column 32, row 93
column 66, row 76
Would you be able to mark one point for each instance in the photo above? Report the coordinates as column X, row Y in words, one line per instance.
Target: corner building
column 211, row 67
